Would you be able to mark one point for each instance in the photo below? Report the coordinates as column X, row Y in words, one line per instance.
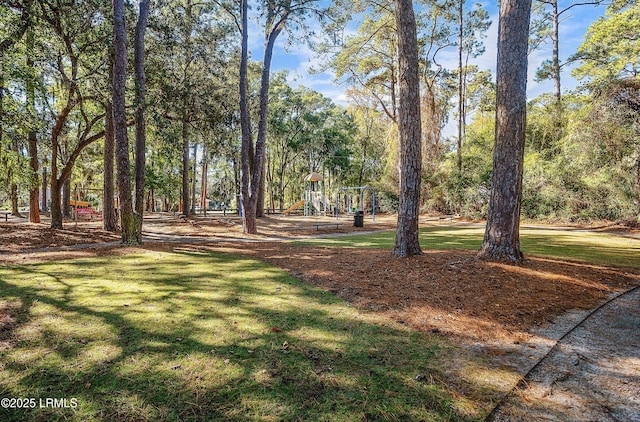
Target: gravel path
column 593, row 374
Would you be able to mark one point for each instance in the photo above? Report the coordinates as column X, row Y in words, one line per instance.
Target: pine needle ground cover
column 580, row 245
column 189, row 335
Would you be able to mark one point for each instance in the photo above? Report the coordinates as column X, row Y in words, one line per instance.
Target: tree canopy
column 204, row 147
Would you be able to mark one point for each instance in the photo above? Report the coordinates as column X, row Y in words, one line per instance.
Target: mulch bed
column 451, row 291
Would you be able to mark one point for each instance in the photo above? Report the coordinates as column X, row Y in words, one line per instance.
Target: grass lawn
column 204, row 336
column 597, row 248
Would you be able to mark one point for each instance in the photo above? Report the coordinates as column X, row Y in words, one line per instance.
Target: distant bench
column 336, row 225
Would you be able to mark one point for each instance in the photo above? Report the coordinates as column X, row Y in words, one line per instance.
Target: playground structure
column 293, row 207
column 355, row 203
column 314, row 201
column 83, row 209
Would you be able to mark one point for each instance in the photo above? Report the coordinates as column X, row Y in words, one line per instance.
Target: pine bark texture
column 109, row 222
column 34, row 192
column 194, row 178
column 56, row 201
column 186, row 208
column 43, row 189
column 555, row 35
column 66, row 197
column 248, row 221
column 14, row 201
column 140, row 103
column 409, row 131
column 253, row 159
column 109, row 217
column 460, row 85
column 128, row 223
column 502, row 234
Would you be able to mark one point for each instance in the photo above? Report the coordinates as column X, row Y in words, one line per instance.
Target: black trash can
column 358, row 219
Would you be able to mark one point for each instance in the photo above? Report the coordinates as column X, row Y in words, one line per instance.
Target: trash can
column 358, row 219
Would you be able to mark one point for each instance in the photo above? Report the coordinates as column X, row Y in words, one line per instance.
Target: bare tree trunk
column 15, row 211
column 34, row 192
column 502, row 235
column 140, row 106
column 557, row 92
column 56, row 203
column 43, row 204
column 194, row 178
column 186, row 209
column 253, row 169
column 636, row 180
column 460, row 86
column 555, row 35
column 248, row 214
column 261, row 195
column 66, row 198
column 409, row 131
column 203, row 182
column 109, row 222
column 109, row 217
column 128, row 221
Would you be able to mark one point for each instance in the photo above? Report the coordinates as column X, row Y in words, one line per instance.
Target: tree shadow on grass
column 201, row 336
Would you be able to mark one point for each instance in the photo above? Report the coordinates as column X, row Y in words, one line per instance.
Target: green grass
column 597, row 248
column 197, row 336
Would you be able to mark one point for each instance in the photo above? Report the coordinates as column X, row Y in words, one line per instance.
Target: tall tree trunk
column 555, row 36
column 109, row 222
column 66, row 198
column 557, row 92
column 203, row 182
column 261, row 195
column 14, row 186
column 56, row 194
column 186, row 209
column 460, row 85
column 128, row 221
column 140, row 104
column 248, row 212
column 502, row 235
column 236, row 182
column 43, row 204
column 409, row 131
column 15, row 211
column 2, row 100
column 194, row 178
column 109, row 217
column 34, row 191
column 56, row 202
column 252, row 186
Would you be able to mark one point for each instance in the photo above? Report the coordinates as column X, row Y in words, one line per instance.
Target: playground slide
column 293, row 207
column 320, row 203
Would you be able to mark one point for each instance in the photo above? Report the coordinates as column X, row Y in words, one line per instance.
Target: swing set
column 354, row 200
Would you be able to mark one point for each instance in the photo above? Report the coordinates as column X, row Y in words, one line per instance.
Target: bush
column 387, row 201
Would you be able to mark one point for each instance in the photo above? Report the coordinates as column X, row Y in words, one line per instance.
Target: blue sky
column 299, row 58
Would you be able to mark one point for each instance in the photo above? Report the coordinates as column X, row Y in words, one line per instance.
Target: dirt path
column 593, row 374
